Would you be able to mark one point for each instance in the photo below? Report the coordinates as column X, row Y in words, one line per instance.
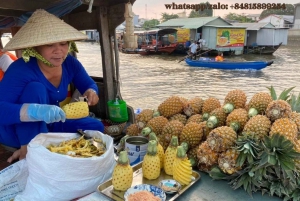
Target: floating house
column 219, row 34
column 263, row 38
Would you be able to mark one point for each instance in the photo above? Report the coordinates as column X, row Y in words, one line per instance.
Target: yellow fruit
column 192, row 134
column 123, row 174
column 259, row 103
column 182, row 168
column 160, row 149
column 227, row 161
column 172, row 128
column 234, row 99
column 133, row 130
column 170, row 155
column 171, row 106
column 197, row 118
column 207, row 157
column 143, row 117
column 151, row 163
column 76, row 110
column 260, row 125
column 209, row 105
column 222, row 138
column 285, row 127
column 193, row 106
column 216, row 118
column 278, row 109
column 237, row 119
column 179, row 117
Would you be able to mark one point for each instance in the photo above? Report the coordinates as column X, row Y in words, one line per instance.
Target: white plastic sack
column 13, row 180
column 60, row 177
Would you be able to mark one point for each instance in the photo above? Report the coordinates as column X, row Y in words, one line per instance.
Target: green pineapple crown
column 284, row 95
column 294, row 102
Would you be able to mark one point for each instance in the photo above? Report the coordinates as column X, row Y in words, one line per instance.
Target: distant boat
column 229, row 65
column 262, row 49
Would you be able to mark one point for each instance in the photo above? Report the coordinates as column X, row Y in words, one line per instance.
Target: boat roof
column 14, row 13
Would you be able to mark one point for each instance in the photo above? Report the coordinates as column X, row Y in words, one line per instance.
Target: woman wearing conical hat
column 35, row 84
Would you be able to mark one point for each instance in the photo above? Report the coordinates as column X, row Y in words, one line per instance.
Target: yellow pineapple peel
column 76, row 110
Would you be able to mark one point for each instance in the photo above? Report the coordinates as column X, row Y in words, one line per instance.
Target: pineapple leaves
column 284, row 95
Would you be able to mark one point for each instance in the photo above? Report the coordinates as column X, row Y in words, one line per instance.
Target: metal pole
column 117, row 65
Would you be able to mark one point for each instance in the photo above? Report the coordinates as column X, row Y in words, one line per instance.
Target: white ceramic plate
column 170, row 186
column 157, row 191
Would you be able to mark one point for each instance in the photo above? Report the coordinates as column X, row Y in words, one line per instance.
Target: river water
column 146, row 81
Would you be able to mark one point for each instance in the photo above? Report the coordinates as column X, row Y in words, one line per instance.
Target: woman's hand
column 91, row 96
column 19, row 154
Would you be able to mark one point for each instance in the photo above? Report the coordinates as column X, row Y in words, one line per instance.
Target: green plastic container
column 117, row 110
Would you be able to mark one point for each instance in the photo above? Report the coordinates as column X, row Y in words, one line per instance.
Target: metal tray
column 107, row 189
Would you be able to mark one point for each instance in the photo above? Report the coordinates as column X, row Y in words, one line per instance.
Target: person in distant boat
column 6, row 58
column 34, row 85
column 219, row 57
column 193, row 49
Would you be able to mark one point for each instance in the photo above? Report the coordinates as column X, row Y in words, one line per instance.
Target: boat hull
column 228, row 65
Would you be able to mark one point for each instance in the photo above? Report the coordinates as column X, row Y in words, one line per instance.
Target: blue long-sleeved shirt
column 20, row 73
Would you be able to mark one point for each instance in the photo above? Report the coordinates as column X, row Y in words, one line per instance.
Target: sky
column 154, row 8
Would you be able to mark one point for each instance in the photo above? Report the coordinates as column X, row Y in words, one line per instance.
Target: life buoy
column 180, row 47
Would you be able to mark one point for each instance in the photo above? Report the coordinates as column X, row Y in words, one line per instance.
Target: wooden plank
column 107, row 56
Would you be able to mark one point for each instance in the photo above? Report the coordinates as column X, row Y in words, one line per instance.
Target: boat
column 229, row 65
column 268, row 50
column 157, row 42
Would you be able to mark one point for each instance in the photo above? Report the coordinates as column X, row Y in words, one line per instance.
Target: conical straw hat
column 43, row 28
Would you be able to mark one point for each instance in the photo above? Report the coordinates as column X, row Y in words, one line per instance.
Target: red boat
column 157, row 42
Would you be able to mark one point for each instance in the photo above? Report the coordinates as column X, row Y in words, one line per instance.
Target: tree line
column 289, row 10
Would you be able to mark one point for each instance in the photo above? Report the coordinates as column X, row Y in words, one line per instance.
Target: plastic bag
column 13, row 180
column 60, row 177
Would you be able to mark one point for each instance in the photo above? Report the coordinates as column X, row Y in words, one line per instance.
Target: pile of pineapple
column 252, row 144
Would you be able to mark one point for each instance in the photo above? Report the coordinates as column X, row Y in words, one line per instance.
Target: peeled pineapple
column 151, row 162
column 170, row 155
column 182, row 168
column 76, row 110
column 160, row 149
column 123, row 174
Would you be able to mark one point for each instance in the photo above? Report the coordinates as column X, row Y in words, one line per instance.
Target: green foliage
column 150, row 24
column 284, row 95
column 289, row 10
column 165, row 16
column 294, row 101
column 202, row 13
column 271, row 171
column 238, row 17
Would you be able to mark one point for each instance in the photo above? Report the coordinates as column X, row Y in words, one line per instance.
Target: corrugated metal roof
column 255, row 26
column 187, row 23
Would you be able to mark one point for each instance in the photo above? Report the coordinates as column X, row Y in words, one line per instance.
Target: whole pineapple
column 234, row 99
column 259, row 103
column 155, row 125
column 123, row 174
column 209, row 105
column 182, row 168
column 192, row 155
column 133, row 130
column 222, row 138
column 180, row 117
column 171, row 106
column 151, row 163
column 227, row 161
column 193, row 106
column 143, row 117
column 237, row 119
column 170, row 155
column 192, row 134
column 160, row 149
column 295, row 117
column 207, row 157
column 216, row 118
column 197, row 118
column 172, row 128
column 259, row 124
column 76, row 110
column 285, row 127
column 278, row 109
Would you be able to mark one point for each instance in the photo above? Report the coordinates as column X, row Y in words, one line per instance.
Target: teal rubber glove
column 42, row 112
